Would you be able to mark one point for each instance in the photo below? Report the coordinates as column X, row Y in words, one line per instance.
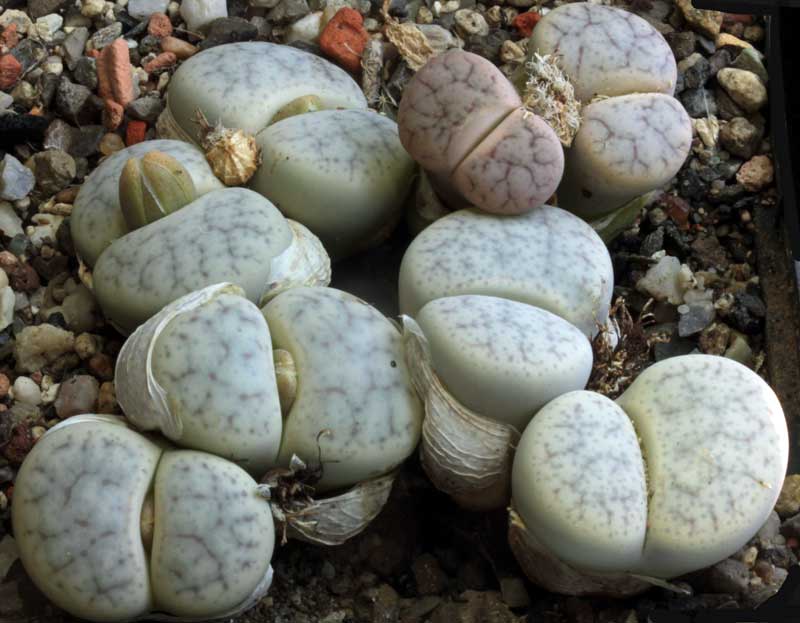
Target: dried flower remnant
column 549, row 94
column 233, row 154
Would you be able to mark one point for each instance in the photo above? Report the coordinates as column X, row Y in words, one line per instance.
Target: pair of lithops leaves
column 317, row 374
column 325, row 160
column 487, row 142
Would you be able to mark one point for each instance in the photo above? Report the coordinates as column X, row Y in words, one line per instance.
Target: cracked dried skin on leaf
column 213, row 537
column 606, row 51
column 342, row 173
column 245, row 84
column 227, row 235
column 578, row 482
column 626, row 146
column 97, row 219
column 501, row 358
column 716, row 445
column 215, row 364
column 352, row 381
column 548, row 258
column 77, row 503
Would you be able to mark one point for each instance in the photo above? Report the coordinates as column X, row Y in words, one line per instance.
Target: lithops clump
column 230, row 235
column 463, row 121
column 355, row 408
column 634, row 136
column 484, row 366
column 548, row 258
column 201, row 372
column 112, row 526
column 342, row 173
column 676, row 475
column 246, row 85
column 97, row 219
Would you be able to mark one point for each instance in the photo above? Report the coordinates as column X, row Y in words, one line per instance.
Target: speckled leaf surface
column 352, row 382
column 243, row 85
column 626, row 146
column 96, row 216
column 227, row 235
column 501, row 358
column 213, row 537
column 342, row 173
column 548, row 258
column 77, row 503
column 215, row 364
column 606, row 51
column 579, row 481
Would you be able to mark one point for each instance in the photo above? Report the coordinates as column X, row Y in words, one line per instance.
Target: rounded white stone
column 26, row 390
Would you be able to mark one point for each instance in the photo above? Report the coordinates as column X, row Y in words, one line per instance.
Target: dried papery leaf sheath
column 233, row 154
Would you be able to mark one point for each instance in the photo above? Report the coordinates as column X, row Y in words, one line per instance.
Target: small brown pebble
column 788, row 503
column 77, row 395
column 180, row 48
column 159, row 25
column 111, row 143
column 8, row 260
column 107, row 399
column 67, row 195
column 113, row 113
column 23, row 278
column 85, row 345
column 162, row 61
column 19, row 444
column 5, row 384
column 99, row 364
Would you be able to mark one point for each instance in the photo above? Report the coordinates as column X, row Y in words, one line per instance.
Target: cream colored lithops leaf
column 201, row 372
column 626, row 146
column 77, row 504
column 605, row 50
column 578, row 482
column 243, row 85
column 715, row 441
column 342, row 173
column 228, row 235
column 354, row 406
column 97, row 219
column 213, row 536
column 548, row 258
column 501, row 358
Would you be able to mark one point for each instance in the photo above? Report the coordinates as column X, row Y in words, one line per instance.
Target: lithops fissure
column 501, row 358
column 461, row 119
column 201, row 372
column 548, row 258
column 354, row 407
column 342, row 173
column 606, row 50
column 230, row 235
column 626, row 146
column 97, row 219
column 244, row 85
column 84, row 521
column 703, row 477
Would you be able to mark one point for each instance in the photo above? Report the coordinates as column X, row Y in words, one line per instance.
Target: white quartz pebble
column 200, row 13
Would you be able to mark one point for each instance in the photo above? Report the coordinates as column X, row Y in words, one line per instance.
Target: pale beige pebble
column 36, row 346
column 726, row 39
column 740, row 350
column 8, row 302
column 744, row 88
column 92, row 8
column 5, row 385
column 705, row 22
column 788, row 503
column 49, row 390
column 26, row 390
column 424, row 15
column 471, row 23
column 494, row 15
column 37, row 432
column 511, row 52
column 111, row 143
column 754, row 33
column 756, row 173
column 85, row 345
column 107, row 399
column 3, row 279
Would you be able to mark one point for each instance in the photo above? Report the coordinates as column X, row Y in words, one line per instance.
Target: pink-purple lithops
column 461, row 119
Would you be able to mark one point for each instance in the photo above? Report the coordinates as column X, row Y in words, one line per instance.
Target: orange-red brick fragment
column 159, row 25
column 162, row 61
column 112, row 114
column 344, row 38
column 9, row 37
column 135, row 132
column 526, row 22
column 10, row 69
column 114, row 73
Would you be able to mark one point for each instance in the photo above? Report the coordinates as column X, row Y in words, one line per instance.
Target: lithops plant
column 634, row 136
column 342, row 173
column 548, row 258
column 97, row 219
column 231, row 235
column 677, row 474
column 484, row 366
column 355, row 409
column 201, row 372
column 464, row 122
column 112, row 526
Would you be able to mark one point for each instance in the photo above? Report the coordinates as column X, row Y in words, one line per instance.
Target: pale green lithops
column 112, row 526
column 484, row 366
column 230, row 235
column 201, row 372
column 97, row 219
column 675, row 476
column 355, row 407
column 342, row 173
column 245, row 85
column 548, row 258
